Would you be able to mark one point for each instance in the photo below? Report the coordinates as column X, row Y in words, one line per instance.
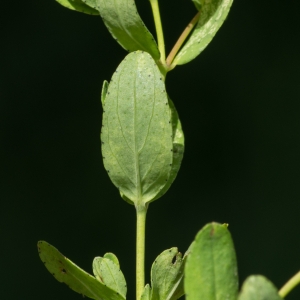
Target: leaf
column 79, row 6
column 212, row 15
column 146, row 293
column 126, row 26
column 136, row 136
column 74, row 277
column 113, row 258
column 211, row 268
column 167, row 275
column 91, row 3
column 257, row 287
column 104, row 91
column 109, row 273
column 178, row 147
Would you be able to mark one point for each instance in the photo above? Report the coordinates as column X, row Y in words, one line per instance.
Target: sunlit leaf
column 74, row 277
column 108, row 272
column 178, row 147
column 211, row 267
column 257, row 287
column 137, row 140
column 146, row 293
column 126, row 26
column 79, row 6
column 167, row 275
column 212, row 15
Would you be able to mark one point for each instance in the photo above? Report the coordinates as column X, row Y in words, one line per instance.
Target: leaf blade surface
column 178, row 147
column 212, row 15
column 137, row 134
column 79, row 6
column 74, row 277
column 126, row 26
column 257, row 287
column 109, row 273
column 211, row 268
column 167, row 275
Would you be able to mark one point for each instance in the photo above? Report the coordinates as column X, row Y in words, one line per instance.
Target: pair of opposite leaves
column 108, row 282
column 209, row 267
column 126, row 26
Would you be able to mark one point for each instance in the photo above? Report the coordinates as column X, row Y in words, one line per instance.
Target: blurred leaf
column 126, row 26
column 212, row 15
column 79, row 6
column 113, row 258
column 211, row 268
column 104, row 91
column 137, row 143
column 91, row 3
column 75, row 278
column 257, row 287
column 167, row 275
column 178, row 147
column 146, row 293
column 109, row 273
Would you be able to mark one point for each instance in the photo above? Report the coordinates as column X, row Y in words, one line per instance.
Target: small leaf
column 104, row 91
column 166, row 275
column 75, row 278
column 146, row 293
column 178, row 148
column 113, row 258
column 212, row 15
column 137, row 142
column 126, row 26
column 79, row 6
column 211, row 268
column 109, row 273
column 257, row 287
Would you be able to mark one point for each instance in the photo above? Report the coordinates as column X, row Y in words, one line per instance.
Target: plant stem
column 159, row 30
column 182, row 38
column 141, row 211
column 290, row 285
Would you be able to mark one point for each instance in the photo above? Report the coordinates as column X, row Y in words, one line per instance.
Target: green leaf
column 257, row 287
column 146, row 293
column 109, row 273
column 113, row 258
column 178, row 147
column 104, row 91
column 74, row 277
column 167, row 275
column 212, row 15
column 91, row 3
column 211, row 268
column 137, row 143
column 78, row 5
column 126, row 26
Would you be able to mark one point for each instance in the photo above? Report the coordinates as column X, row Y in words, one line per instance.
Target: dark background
column 239, row 105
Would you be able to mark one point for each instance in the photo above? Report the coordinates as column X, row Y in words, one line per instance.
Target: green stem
column 182, row 38
column 141, row 212
column 159, row 30
column 290, row 285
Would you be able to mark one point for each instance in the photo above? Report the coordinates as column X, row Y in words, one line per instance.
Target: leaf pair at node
column 127, row 28
column 108, row 284
column 141, row 136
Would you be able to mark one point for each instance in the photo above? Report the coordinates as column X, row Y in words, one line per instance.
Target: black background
column 239, row 105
